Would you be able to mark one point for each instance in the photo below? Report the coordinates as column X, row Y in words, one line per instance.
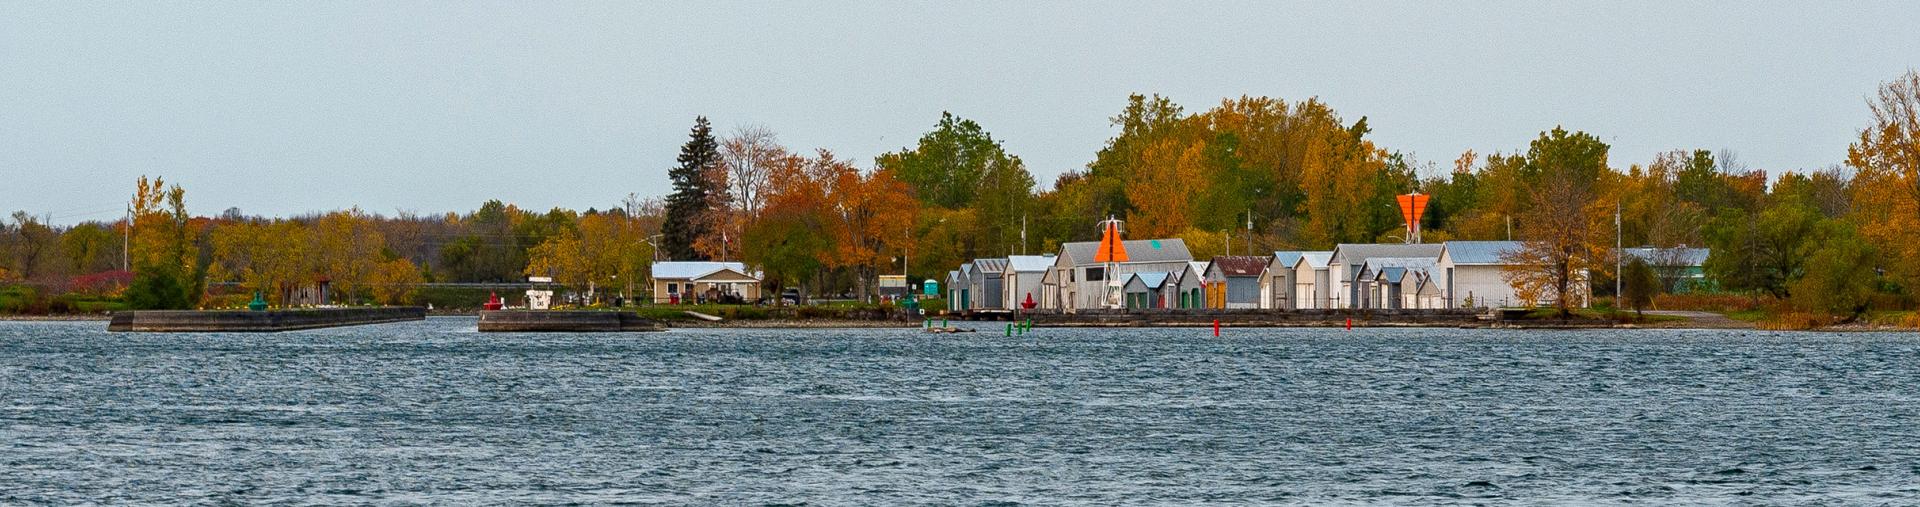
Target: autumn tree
column 1562, row 239
column 396, row 282
column 347, row 250
column 870, row 216
column 1887, row 184
column 687, row 210
column 272, row 258
column 165, row 255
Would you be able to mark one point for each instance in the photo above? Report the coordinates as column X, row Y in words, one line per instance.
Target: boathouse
column 1077, row 280
column 1189, row 285
column 1233, row 281
column 1145, row 291
column 1349, row 258
column 1022, row 277
column 1276, row 281
column 1312, row 284
column 1468, row 273
column 986, row 284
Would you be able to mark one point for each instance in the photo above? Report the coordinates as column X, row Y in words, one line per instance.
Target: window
column 1096, row 274
column 673, row 288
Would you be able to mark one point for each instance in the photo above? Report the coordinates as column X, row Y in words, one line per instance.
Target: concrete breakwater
column 244, row 321
column 1259, row 318
column 527, row 321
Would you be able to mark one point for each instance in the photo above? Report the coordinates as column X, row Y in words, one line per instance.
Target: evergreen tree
column 686, row 206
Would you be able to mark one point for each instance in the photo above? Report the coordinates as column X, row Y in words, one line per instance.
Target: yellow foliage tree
column 269, row 258
column 396, row 282
column 347, row 249
column 1887, row 186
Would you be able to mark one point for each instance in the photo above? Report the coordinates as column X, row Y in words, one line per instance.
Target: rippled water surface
column 433, row 412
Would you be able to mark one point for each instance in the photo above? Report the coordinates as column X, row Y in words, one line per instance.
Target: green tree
column 687, row 219
column 1641, row 284
column 1763, row 253
column 1839, row 278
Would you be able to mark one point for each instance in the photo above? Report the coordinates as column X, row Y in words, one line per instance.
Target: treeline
column 1250, row 175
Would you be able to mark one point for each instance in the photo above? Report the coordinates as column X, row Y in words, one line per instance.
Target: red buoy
column 1216, row 328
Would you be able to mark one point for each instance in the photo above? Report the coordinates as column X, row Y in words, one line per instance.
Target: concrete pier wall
column 536, row 321
column 243, row 321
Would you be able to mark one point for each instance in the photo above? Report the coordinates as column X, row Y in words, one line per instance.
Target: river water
column 432, row 412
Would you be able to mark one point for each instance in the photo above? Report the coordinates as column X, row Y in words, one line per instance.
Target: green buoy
column 258, row 304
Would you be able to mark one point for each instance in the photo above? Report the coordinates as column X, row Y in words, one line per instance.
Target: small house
column 1312, row 281
column 959, row 291
column 704, row 281
column 986, row 284
column 1469, row 274
column 1144, row 291
column 1022, row 277
column 1190, row 286
column 1276, row 281
column 1681, row 270
column 1349, row 258
column 1386, row 277
column 1233, row 281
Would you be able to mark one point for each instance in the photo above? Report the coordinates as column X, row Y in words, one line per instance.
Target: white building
column 686, row 282
column 1349, row 258
column 1022, row 277
column 1468, row 273
column 1076, row 282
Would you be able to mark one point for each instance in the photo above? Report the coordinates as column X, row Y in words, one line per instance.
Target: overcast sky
column 281, row 108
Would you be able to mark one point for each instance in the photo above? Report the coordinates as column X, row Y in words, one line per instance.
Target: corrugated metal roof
column 1379, row 265
column 997, row 265
column 1316, row 259
column 684, row 270
column 1138, row 250
column 1480, row 253
column 966, row 269
column 1670, row 257
column 1286, row 259
column 1029, row 263
column 1152, row 280
column 1358, row 253
column 1240, row 265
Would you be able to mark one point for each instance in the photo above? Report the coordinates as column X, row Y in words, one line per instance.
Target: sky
column 282, row 108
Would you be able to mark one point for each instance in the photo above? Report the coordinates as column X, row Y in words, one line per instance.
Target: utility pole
column 1023, row 234
column 1619, row 254
column 1509, row 227
column 1249, row 231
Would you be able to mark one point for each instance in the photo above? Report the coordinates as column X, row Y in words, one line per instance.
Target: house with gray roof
column 1468, row 274
column 1681, row 270
column 1391, row 276
column 1146, row 290
column 986, row 284
column 1076, row 282
column 1022, row 277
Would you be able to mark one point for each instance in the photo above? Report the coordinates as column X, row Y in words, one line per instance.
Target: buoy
column 1216, row 328
column 1349, row 323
